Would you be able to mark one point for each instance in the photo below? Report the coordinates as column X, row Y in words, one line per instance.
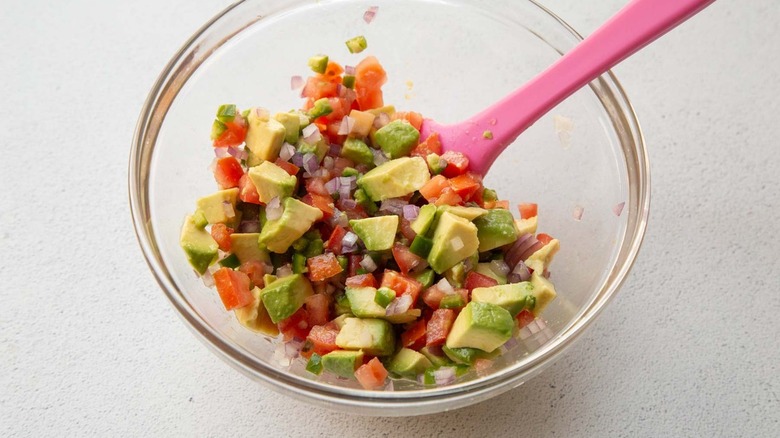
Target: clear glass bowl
column 446, row 59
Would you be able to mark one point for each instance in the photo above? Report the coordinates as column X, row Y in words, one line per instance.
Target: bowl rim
column 360, row 401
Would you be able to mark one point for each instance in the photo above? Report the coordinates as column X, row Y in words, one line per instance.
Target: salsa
column 366, row 249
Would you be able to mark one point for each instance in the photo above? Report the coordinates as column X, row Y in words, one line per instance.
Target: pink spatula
column 636, row 25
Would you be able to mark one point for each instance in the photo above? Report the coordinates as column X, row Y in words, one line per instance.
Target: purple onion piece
column 297, row 159
column 249, row 227
column 393, row 205
column 238, row 153
column 310, row 163
column 287, row 151
column 274, row 210
column 368, row 264
column 410, row 212
column 500, row 267
column 296, row 82
column 332, row 186
column 221, row 152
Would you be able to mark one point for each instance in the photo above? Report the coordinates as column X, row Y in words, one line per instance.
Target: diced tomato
column 322, row 339
column 324, row 203
column 362, row 280
column 414, row 119
column 332, row 72
column 296, row 326
column 247, row 191
column 439, row 326
column 340, row 107
column 288, row 167
column 323, row 266
column 490, row 205
column 334, row 242
column 431, row 145
column 255, row 270
column 369, row 78
column 457, row 164
column 543, row 238
column 467, row 185
column 221, row 234
column 316, row 186
column 448, row 197
column 316, row 88
column 371, row 375
column 524, row 318
column 527, row 210
column 354, row 264
column 234, row 135
column 475, row 280
column 339, row 164
column 406, row 229
column 432, row 297
column 434, row 188
column 317, row 307
column 414, row 336
column 464, row 293
column 228, row 172
column 401, row 284
column 406, row 259
column 233, row 288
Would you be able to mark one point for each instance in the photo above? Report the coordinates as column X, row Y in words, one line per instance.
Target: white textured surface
column 90, row 346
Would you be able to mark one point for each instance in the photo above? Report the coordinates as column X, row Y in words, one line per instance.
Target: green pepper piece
column 314, row 365
column 230, row 261
column 384, row 296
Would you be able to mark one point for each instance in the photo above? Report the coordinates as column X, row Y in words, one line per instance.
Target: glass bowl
column 446, row 59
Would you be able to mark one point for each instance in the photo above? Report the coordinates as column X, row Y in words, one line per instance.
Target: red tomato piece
column 457, row 164
column 439, row 326
column 255, row 270
column 414, row 119
column 371, row 375
column 221, row 234
column 234, row 134
column 414, row 336
column 288, row 167
column 432, row 297
column 296, row 326
column 431, row 145
column 228, row 172
column 401, row 284
column 475, row 280
column 317, row 306
column 334, row 242
column 466, row 185
column 316, row 186
column 524, row 318
column 490, row 205
column 448, row 197
column 233, row 288
column 527, row 210
column 434, row 188
column 332, row 72
column 323, row 203
column 354, row 264
column 369, row 78
column 362, row 280
column 543, row 238
column 247, row 191
column 316, row 88
column 406, row 259
column 406, row 229
column 322, row 339
column 323, row 266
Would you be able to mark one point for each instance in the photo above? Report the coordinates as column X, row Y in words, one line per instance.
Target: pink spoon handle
column 636, row 25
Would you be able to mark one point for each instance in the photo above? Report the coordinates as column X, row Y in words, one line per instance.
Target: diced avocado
column 220, row 207
column 350, row 171
column 395, row 178
column 481, row 325
column 421, row 246
column 246, row 247
column 272, row 181
column 264, row 136
column 320, row 108
column 285, row 296
column 437, row 358
column 469, row 213
column 362, row 302
column 292, row 126
column 198, row 245
column 466, row 355
column 319, row 149
column 364, row 121
column 489, row 195
column 402, row 318
column 314, row 365
column 541, row 259
column 230, row 261
column 348, row 81
column 269, row 278
column 314, row 248
column 377, row 233
column 485, row 269
column 342, row 306
column 436, row 163
column 226, row 113
column 424, row 219
column 217, row 129
column 543, row 291
column 509, row 296
column 255, row 316
column 454, row 301
column 496, row 228
column 357, row 44
column 397, row 138
column 384, row 296
column 318, row 63
column 342, row 362
column 456, row 274
column 387, row 109
column 455, row 239
column 425, row 278
column 526, row 226
column 199, row 219
column 364, row 201
column 408, row 363
column 373, row 336
column 339, row 320
column 357, row 151
column 296, row 220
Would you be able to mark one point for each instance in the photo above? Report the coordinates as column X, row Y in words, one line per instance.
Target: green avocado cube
column 469, row 213
column 364, row 201
column 364, row 121
column 436, row 163
column 397, row 139
column 318, row 63
column 464, row 355
column 408, row 363
column 540, row 260
column 454, row 301
column 424, row 219
column 456, row 275
column 198, row 245
column 543, row 292
column 373, row 336
column 395, row 178
column 362, row 302
column 226, row 113
column 285, row 296
column 377, row 233
column 455, row 239
column 199, row 219
column 297, row 218
column 483, row 326
column 511, row 297
column 348, row 81
column 357, row 151
column 436, row 356
column 245, row 246
column 255, row 316
column 220, row 207
column 494, row 229
column 292, row 126
column 357, row 44
column 342, row 362
column 485, row 269
column 321, row 108
column 271, row 181
column 264, row 136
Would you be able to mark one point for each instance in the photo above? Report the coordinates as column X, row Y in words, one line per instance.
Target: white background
column 90, row 346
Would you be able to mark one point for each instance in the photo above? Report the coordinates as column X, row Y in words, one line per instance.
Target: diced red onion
column 280, row 355
column 334, row 150
column 333, row 185
column 381, row 120
column 311, row 163
column 207, row 278
column 393, row 205
column 284, row 271
column 237, row 153
column 287, row 151
column 328, row 163
column 445, row 287
column 296, row 82
column 349, row 239
column 348, row 204
column 297, row 159
column 349, row 70
column 468, row 264
column 368, row 264
column 347, row 124
column 500, row 267
column 349, row 249
column 410, row 212
column 221, row 152
column 362, row 168
column 292, row 349
column 249, row 227
column 338, row 218
column 519, row 273
column 311, row 134
column 457, row 243
column 344, row 192
column 370, row 13
column 274, row 210
column 349, row 181
column 444, row 376
column 577, row 214
column 379, row 157
column 618, row 208
column 261, row 113
column 390, row 386
column 319, row 173
column 518, row 249
column 399, row 305
column 227, row 207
